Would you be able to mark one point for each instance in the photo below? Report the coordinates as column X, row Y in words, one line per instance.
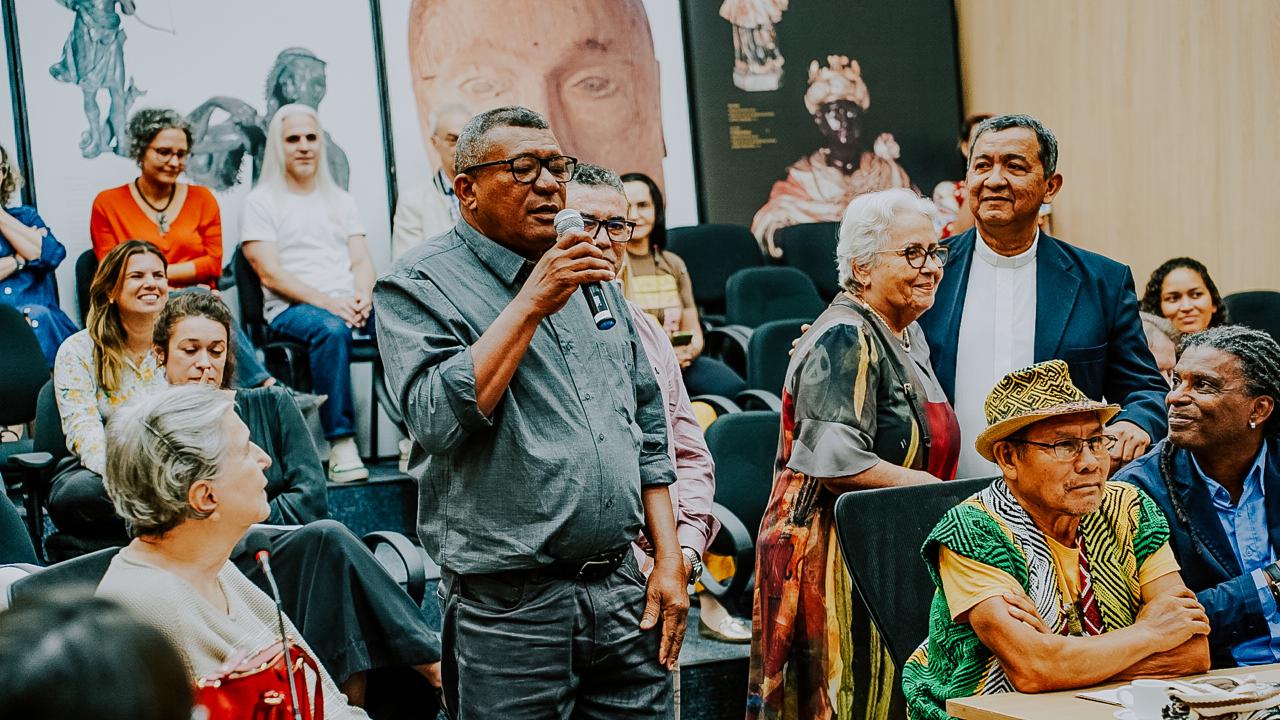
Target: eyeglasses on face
column 619, row 230
column 166, row 154
column 1070, row 448
column 916, row 254
column 525, row 169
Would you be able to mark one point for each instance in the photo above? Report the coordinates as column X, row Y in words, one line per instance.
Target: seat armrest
column 735, row 541
column 32, row 460
column 415, row 570
column 720, row 403
column 751, row 399
column 728, row 343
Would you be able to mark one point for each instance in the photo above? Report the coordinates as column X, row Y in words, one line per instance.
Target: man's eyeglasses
column 1070, row 448
column 916, row 254
column 525, row 169
column 619, row 230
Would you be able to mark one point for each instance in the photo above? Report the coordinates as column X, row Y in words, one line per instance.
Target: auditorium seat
column 742, row 445
column 1258, row 309
column 811, row 248
column 712, row 252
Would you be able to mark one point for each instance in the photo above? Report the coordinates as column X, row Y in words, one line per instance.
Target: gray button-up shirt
column 555, row 472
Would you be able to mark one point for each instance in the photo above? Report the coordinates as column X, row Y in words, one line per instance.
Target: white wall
column 215, row 48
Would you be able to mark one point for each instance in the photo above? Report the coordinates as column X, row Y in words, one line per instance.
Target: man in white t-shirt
column 303, row 236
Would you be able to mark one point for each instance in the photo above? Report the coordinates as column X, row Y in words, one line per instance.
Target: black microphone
column 567, row 220
column 263, row 556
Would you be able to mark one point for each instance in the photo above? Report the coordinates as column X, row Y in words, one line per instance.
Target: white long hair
column 272, row 177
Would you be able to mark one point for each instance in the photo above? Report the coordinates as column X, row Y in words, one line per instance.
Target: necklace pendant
column 163, row 223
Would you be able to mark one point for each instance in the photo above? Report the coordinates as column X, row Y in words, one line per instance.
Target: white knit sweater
column 204, row 635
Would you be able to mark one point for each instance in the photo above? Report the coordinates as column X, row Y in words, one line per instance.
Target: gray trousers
column 523, row 645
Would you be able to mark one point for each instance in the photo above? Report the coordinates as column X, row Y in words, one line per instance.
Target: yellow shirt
column 967, row 582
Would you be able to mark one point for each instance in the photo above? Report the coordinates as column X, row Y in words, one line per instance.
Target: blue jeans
column 328, row 341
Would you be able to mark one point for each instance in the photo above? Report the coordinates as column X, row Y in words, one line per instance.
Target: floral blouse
column 85, row 408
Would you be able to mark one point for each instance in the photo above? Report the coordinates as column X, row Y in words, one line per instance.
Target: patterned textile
column 992, row 528
column 844, row 409
column 85, row 407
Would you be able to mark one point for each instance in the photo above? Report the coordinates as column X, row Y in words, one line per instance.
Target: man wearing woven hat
column 1051, row 578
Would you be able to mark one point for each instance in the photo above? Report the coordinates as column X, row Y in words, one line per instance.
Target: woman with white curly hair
column 861, row 409
column 184, row 475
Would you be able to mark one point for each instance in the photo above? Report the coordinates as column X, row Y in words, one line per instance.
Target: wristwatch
column 18, row 262
column 695, row 564
column 1272, row 573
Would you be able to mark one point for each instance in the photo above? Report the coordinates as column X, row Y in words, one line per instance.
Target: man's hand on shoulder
column 572, row 261
column 667, row 599
column 1131, row 442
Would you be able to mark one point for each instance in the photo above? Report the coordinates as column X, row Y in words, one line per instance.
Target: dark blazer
column 1209, row 566
column 1086, row 314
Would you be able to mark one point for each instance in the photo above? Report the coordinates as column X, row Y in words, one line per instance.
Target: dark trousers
column 709, row 376
column 523, row 645
column 82, row 513
column 351, row 612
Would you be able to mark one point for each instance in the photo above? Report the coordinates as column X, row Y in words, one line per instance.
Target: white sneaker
column 344, row 462
column 405, row 446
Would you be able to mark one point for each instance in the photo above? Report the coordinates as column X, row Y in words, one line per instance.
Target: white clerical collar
column 995, row 259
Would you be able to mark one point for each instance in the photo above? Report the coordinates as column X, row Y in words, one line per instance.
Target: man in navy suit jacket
column 1217, row 480
column 1012, row 296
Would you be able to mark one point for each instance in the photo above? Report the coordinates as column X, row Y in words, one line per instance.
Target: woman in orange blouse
column 180, row 219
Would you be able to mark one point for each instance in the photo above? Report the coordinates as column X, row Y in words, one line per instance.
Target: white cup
column 1146, row 698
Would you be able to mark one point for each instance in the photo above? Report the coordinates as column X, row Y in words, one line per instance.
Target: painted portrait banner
column 226, row 66
column 608, row 74
column 800, row 106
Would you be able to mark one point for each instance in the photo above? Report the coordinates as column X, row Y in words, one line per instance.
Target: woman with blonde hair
column 96, row 371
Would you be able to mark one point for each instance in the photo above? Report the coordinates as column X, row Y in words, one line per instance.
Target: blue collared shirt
column 1245, row 523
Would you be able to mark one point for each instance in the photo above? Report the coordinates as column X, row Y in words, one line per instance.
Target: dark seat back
column 249, row 293
column 86, row 267
column 81, row 573
column 811, row 248
column 1258, row 309
column 712, row 253
column 23, row 368
column 755, row 296
column 743, row 445
column 48, row 436
column 881, row 532
column 768, row 353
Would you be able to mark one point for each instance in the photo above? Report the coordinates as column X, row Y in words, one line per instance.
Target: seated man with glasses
column 1051, row 578
column 540, row 447
column 1217, row 479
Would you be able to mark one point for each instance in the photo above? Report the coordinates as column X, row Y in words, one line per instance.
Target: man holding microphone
column 540, row 446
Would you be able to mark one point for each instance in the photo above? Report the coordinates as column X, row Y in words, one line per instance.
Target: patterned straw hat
column 1030, row 395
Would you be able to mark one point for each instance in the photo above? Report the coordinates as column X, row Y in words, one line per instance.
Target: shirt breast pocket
column 614, row 364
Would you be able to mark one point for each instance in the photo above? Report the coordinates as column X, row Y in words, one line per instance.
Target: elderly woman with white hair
column 861, row 409
column 184, row 475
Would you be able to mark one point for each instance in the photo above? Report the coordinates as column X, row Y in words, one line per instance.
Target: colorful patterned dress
column 853, row 396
